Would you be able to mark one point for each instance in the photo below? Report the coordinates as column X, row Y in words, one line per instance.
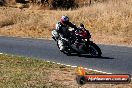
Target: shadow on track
column 89, row 56
column 106, row 57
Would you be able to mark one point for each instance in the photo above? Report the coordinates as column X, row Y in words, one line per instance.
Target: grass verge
column 24, row 72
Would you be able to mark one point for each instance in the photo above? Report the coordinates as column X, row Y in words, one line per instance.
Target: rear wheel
column 95, row 50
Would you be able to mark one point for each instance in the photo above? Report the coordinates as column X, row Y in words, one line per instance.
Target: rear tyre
column 95, row 50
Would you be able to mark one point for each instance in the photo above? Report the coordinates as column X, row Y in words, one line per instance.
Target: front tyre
column 95, row 50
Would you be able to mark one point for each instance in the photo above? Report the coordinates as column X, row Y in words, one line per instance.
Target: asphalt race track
column 115, row 59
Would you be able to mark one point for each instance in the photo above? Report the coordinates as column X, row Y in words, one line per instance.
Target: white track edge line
column 84, row 68
column 75, row 67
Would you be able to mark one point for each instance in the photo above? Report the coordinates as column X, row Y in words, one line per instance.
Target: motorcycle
column 79, row 42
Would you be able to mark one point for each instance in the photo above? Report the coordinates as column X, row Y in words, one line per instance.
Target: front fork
column 87, row 43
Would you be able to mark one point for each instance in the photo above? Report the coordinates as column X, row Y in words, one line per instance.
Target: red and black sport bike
column 79, row 42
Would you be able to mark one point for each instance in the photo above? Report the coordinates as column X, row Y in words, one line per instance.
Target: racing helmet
column 64, row 19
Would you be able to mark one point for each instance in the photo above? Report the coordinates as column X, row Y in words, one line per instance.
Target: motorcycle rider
column 62, row 28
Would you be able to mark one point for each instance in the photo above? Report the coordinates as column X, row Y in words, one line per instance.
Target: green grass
column 23, row 72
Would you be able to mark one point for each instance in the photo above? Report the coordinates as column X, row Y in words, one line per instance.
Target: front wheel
column 95, row 50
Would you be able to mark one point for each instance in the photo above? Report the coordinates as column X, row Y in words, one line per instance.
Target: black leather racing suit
column 63, row 29
column 64, row 32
